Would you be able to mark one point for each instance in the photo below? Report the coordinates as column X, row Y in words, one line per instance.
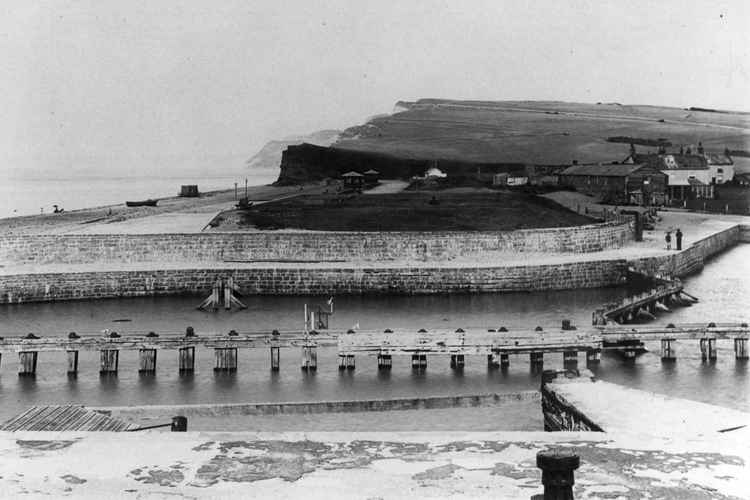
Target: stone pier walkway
column 362, row 465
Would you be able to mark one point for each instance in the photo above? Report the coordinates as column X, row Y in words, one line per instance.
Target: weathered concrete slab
column 614, row 408
column 361, row 465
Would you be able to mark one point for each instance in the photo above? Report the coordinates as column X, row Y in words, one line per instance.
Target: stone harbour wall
column 693, row 258
column 39, row 287
column 305, row 246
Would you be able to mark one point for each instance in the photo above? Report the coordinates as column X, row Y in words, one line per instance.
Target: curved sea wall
column 306, row 246
column 43, row 287
column 693, row 258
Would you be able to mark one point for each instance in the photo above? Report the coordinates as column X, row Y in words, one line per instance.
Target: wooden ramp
column 64, row 418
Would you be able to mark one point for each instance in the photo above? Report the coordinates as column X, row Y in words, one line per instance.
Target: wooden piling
column 147, row 361
column 186, row 359
column 457, row 361
column 226, row 359
column 708, row 348
column 570, row 359
column 667, row 349
column 740, row 348
column 629, row 354
column 536, row 361
column 310, row 357
column 504, row 360
column 27, row 363
column 418, row 361
column 593, row 357
column 385, row 362
column 342, row 362
column 275, row 358
column 72, row 362
column 492, row 361
column 109, row 360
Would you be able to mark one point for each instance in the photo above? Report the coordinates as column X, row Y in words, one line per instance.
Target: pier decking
column 497, row 344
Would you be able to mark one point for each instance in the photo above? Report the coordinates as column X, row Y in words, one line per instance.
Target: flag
column 330, row 302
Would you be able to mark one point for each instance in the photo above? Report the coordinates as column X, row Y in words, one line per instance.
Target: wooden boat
column 144, row 203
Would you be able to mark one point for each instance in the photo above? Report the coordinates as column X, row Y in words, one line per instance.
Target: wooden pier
column 497, row 345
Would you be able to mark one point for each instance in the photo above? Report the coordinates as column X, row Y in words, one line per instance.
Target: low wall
column 693, row 258
column 291, row 281
column 305, row 246
column 559, row 414
column 396, row 404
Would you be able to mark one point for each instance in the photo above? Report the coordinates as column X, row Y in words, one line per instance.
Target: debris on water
column 122, row 320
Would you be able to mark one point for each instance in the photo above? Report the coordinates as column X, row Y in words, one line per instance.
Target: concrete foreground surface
column 499, row 465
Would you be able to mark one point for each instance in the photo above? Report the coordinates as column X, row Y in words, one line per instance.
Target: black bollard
column 179, row 424
column 557, row 473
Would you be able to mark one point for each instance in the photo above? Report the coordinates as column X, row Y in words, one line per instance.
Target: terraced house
column 637, row 184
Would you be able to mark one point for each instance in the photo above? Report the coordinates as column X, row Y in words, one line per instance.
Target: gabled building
column 688, row 175
column 353, row 180
column 638, row 184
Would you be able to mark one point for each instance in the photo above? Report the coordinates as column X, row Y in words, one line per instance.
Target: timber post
column 225, row 359
column 667, row 350
column 740, row 348
column 536, row 361
column 108, row 361
column 492, row 361
column 570, row 359
column 385, row 361
column 558, row 467
column 310, row 356
column 147, row 361
column 72, row 362
column 629, row 353
column 708, row 348
column 275, row 358
column 27, row 363
column 593, row 357
column 457, row 361
column 504, row 360
column 186, row 359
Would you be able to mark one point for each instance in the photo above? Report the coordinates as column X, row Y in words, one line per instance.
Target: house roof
column 696, row 182
column 352, row 174
column 608, row 170
column 673, row 161
column 372, row 171
column 718, row 159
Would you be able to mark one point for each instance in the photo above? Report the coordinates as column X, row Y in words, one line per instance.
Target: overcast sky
column 154, row 86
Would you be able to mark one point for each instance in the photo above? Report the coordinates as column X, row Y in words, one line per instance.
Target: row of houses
column 652, row 179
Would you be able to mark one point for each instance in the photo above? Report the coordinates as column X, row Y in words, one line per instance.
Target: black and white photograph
column 340, row 249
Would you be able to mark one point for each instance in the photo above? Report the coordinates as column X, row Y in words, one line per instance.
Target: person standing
column 668, row 239
column 678, row 238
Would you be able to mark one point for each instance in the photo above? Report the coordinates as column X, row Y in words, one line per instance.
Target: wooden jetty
column 496, row 344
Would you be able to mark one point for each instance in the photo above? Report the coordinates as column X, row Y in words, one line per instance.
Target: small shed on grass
column 353, row 180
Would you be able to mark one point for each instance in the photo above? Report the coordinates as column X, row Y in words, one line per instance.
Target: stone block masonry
column 311, row 280
column 306, row 246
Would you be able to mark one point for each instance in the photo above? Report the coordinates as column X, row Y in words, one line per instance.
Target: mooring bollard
column 275, row 358
column 179, row 424
column 558, row 467
column 385, row 362
column 536, row 361
column 310, row 357
column 504, row 360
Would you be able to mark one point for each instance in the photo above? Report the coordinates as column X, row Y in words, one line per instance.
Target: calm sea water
column 723, row 288
column 31, row 196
